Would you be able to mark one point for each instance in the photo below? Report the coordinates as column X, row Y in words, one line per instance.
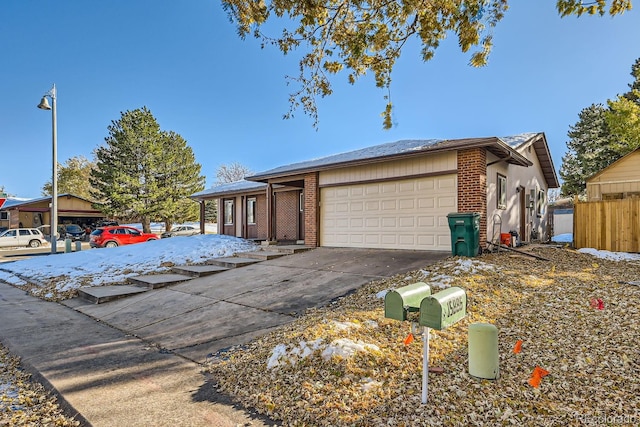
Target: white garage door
column 407, row 214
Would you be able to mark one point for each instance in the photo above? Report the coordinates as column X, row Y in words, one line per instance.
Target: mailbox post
column 437, row 311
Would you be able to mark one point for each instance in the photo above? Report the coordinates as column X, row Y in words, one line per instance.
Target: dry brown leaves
column 592, row 355
column 24, row 402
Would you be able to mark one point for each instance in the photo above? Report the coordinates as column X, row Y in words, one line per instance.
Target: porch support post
column 270, row 212
column 202, row 214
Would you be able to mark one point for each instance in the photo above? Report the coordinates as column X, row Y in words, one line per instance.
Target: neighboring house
column 561, row 217
column 36, row 212
column 394, row 195
column 619, row 180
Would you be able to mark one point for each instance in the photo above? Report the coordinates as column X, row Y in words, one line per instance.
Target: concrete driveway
column 197, row 318
column 103, row 362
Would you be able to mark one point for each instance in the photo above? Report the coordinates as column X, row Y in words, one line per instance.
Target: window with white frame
column 228, row 212
column 540, row 203
column 251, row 210
column 502, row 191
column 4, row 216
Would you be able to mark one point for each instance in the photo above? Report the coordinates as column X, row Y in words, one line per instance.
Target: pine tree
column 211, row 211
column 634, row 87
column 179, row 175
column 590, row 149
column 142, row 172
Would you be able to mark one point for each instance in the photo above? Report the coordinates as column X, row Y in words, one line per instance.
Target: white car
column 182, row 230
column 28, row 237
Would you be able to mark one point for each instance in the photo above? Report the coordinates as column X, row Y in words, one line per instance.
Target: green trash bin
column 465, row 233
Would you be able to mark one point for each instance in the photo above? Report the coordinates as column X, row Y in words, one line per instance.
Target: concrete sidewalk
column 136, row 361
column 108, row 376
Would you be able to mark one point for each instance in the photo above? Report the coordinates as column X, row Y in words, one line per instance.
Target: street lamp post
column 44, row 105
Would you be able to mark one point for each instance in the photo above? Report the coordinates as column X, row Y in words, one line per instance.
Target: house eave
column 492, row 144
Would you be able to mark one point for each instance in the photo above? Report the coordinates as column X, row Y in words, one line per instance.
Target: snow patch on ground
column 613, row 256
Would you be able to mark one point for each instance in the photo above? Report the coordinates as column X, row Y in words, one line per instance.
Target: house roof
column 236, row 187
column 401, row 149
column 621, row 159
column 508, row 148
column 17, row 202
column 539, row 142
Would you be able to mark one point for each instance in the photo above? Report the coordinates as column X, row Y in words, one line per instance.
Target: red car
column 110, row 237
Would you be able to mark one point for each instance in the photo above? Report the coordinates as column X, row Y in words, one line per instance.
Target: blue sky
column 226, row 97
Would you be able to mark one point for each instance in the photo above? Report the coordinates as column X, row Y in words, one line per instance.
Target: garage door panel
column 407, row 222
column 372, row 205
column 405, row 214
column 407, row 204
column 357, row 206
column 447, row 202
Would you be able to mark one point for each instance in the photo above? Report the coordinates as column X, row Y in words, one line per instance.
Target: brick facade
column 286, row 215
column 472, row 186
column 311, row 209
column 261, row 218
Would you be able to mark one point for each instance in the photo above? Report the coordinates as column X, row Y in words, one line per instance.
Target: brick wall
column 287, row 214
column 311, row 209
column 261, row 217
column 472, row 186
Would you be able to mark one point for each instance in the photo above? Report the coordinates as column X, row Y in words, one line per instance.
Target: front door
column 523, row 214
column 228, row 211
column 301, row 217
column 252, row 228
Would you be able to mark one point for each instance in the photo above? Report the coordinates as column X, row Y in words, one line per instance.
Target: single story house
column 619, row 180
column 395, row 195
column 72, row 209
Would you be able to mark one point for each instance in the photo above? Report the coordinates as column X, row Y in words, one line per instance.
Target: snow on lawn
column 443, row 281
column 613, row 256
column 96, row 267
column 342, row 347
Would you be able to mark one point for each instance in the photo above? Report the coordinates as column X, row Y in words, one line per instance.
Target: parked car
column 45, row 229
column 105, row 223
column 74, row 232
column 3, row 229
column 28, row 237
column 110, row 237
column 181, row 230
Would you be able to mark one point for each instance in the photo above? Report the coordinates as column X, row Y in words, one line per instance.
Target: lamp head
column 44, row 104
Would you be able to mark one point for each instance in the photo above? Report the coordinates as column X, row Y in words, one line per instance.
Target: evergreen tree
column 141, row 173
column 179, row 175
column 634, row 87
column 211, row 211
column 73, row 178
column 590, row 149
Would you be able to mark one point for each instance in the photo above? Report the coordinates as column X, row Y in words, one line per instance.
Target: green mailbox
column 405, row 299
column 441, row 310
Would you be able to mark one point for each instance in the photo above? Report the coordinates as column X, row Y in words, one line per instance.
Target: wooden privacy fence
column 612, row 225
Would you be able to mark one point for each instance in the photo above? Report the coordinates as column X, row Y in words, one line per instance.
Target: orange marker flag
column 537, row 375
column 518, row 347
column 409, row 339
